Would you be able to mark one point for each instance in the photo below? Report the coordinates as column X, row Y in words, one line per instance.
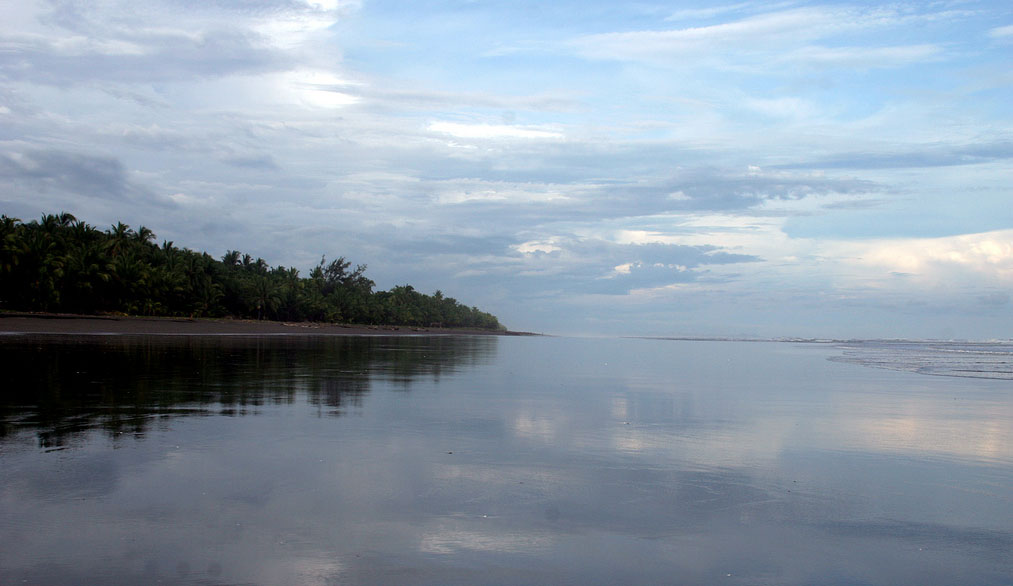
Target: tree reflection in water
column 62, row 386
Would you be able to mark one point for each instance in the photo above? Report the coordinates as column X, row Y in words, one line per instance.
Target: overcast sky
column 658, row 168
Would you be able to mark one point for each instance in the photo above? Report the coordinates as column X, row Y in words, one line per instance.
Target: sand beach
column 47, row 323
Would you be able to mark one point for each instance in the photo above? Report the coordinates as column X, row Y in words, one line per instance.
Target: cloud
column 760, row 33
column 862, row 57
column 1001, row 32
column 171, row 56
column 793, row 25
column 929, row 155
column 475, row 191
column 583, row 265
column 159, row 42
column 948, row 262
column 261, row 162
column 704, row 189
column 70, row 172
column 380, row 96
column 786, row 107
column 774, row 41
column 995, row 299
column 709, row 12
column 315, row 88
column 153, row 136
column 490, row 131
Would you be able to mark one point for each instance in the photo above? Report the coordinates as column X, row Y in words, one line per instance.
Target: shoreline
column 50, row 323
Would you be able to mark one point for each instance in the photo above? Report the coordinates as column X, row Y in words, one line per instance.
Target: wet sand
column 23, row 323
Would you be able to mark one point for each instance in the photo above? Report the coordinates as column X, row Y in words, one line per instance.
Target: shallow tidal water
column 495, row 460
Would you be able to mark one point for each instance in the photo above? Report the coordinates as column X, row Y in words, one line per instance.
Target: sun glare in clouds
column 319, row 89
column 295, row 27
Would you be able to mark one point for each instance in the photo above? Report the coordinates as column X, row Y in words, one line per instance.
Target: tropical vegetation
column 61, row 264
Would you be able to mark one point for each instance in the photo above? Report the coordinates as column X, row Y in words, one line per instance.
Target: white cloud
column 782, row 107
column 1001, row 32
column 293, row 29
column 533, row 246
column 758, row 43
column 623, row 269
column 462, row 130
column 790, row 26
column 863, row 57
column 950, row 262
column 318, row 88
column 709, row 12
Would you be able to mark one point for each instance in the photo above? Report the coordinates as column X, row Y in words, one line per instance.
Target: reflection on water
column 462, row 460
column 63, row 385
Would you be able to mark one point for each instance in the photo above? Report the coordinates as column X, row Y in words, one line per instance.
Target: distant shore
column 48, row 323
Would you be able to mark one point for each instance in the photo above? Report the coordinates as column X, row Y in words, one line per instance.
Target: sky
column 761, row 169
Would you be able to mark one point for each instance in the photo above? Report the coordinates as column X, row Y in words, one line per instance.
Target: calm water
column 460, row 460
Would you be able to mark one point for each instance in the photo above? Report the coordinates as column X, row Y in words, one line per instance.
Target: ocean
column 503, row 460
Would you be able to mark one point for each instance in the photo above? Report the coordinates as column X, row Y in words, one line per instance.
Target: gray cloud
column 259, row 162
column 717, row 190
column 577, row 266
column 151, row 42
column 165, row 58
column 603, row 183
column 699, row 190
column 994, row 299
column 645, row 265
column 71, row 172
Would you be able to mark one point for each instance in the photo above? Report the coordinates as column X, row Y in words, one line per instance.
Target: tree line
column 61, row 264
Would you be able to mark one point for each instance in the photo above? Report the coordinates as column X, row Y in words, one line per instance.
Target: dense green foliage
column 61, row 264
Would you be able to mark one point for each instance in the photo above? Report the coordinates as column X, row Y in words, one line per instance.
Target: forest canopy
column 61, row 264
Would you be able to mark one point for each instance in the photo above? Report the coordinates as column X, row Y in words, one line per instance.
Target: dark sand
column 24, row 323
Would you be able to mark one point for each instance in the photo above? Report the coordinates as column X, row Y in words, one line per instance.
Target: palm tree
column 130, row 277
column 40, row 266
column 81, row 232
column 231, row 258
column 201, row 288
column 144, row 236
column 86, row 272
column 9, row 231
column 290, row 288
column 119, row 237
column 66, row 219
column 266, row 295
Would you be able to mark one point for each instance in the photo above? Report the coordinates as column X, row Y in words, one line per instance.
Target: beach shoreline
column 49, row 323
